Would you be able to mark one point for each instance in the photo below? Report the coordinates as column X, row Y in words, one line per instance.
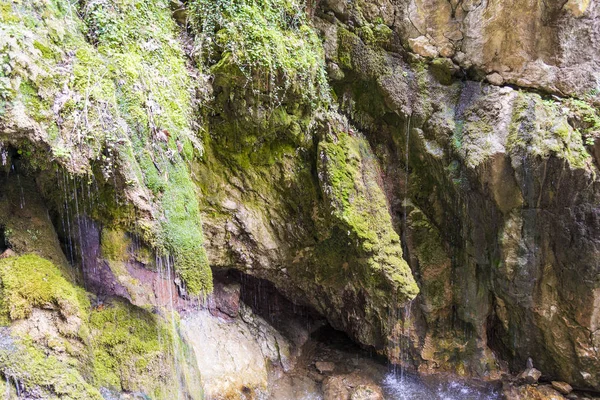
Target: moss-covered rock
column 349, row 180
column 71, row 350
column 541, row 128
column 110, row 96
column 42, row 376
column 271, row 42
column 30, row 281
column 25, row 220
column 132, row 350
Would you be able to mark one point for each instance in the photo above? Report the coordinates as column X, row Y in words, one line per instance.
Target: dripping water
column 174, row 332
column 176, row 353
column 79, row 222
column 406, row 170
column 3, row 155
column 405, row 340
column 22, row 193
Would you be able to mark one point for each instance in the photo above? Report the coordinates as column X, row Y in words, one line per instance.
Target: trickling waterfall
column 406, row 171
column 166, row 276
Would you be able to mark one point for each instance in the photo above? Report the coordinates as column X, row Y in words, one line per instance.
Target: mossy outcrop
column 108, row 97
column 58, row 346
column 473, row 174
column 276, row 153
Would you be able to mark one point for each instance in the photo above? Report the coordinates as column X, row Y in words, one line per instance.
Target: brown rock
column 562, row 387
column 325, row 366
column 225, row 300
column 447, row 50
column 529, row 392
column 423, row 47
column 495, row 79
column 530, row 375
column 334, row 388
column 577, row 7
column 8, row 253
column 367, row 392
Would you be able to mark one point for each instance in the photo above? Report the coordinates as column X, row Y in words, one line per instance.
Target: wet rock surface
column 302, row 358
column 435, row 196
column 562, row 387
column 542, row 392
column 475, row 186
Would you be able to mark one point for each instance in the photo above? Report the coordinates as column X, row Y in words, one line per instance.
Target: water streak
column 406, row 170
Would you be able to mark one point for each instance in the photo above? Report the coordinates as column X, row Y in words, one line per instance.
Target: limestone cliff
column 421, row 173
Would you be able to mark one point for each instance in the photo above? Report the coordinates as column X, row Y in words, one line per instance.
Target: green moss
column 36, row 106
column 132, row 349
column 30, row 281
column 270, row 41
column 117, row 345
column 46, row 50
column 157, row 109
column 375, row 35
column 586, row 118
column 125, row 108
column 346, row 43
column 46, row 375
column 350, row 184
column 442, row 70
column 541, row 128
column 115, row 245
column 6, row 12
column 184, row 232
column 364, row 55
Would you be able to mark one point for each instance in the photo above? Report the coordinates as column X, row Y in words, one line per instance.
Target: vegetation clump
column 270, row 41
column 349, row 181
column 541, row 128
column 30, row 281
column 37, row 373
column 131, row 348
column 113, row 344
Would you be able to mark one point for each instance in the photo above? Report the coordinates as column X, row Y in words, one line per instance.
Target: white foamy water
column 409, row 387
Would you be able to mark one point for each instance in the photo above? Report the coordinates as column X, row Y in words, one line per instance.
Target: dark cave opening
column 266, row 301
column 3, row 239
column 8, row 156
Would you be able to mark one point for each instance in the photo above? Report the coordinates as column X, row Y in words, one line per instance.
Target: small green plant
column 590, row 140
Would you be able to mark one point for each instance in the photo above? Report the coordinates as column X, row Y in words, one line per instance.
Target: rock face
column 350, row 153
column 530, row 376
column 240, row 355
column 490, row 186
column 530, row 44
column 562, row 387
column 531, row 392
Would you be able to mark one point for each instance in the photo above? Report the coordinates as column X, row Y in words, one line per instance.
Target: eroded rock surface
column 423, row 174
